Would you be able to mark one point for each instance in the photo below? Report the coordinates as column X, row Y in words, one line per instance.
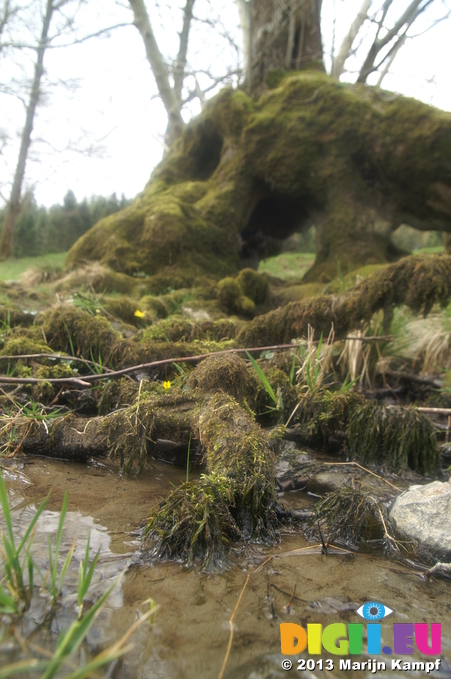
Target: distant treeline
column 40, row 230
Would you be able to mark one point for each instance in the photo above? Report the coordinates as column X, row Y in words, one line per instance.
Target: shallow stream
column 189, row 636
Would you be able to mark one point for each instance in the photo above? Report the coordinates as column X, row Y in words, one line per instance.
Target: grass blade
column 263, row 379
column 187, row 460
column 75, row 635
column 86, row 581
column 32, row 524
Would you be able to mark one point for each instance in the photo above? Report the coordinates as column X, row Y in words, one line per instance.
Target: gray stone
column 423, row 514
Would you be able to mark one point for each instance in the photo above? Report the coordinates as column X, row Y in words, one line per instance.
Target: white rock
column 423, row 514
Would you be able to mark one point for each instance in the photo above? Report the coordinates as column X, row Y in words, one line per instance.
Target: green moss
column 154, row 306
column 417, row 281
column 96, row 277
column 399, row 438
column 44, row 391
column 173, row 329
column 229, row 293
column 227, row 373
column 232, row 299
column 124, row 309
column 327, row 413
column 345, row 515
column 23, row 344
column 253, row 285
column 68, row 328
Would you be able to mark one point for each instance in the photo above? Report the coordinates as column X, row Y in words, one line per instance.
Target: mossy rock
column 154, row 306
column 254, row 285
column 127, row 310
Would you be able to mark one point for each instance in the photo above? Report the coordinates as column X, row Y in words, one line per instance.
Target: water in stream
column 189, row 635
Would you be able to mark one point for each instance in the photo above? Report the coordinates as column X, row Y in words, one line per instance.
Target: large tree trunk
column 284, row 36
column 246, row 176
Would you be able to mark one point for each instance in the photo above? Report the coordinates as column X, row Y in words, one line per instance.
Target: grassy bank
column 11, row 269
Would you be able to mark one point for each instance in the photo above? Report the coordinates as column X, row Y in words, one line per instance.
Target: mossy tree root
column 398, row 438
column 417, row 281
column 235, row 498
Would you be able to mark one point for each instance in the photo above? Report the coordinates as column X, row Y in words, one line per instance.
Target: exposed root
column 418, row 282
column 235, row 498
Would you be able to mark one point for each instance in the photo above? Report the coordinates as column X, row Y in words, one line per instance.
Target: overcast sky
column 100, row 125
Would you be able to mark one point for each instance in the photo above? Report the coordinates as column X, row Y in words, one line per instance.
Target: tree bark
column 13, row 207
column 284, row 36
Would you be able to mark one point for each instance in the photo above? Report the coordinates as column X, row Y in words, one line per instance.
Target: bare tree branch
column 346, row 46
column 413, row 10
column 76, row 41
column 180, row 65
column 159, row 69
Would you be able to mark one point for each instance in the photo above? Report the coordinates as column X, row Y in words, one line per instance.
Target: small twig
column 87, row 379
column 141, row 366
column 439, row 411
column 439, row 567
column 229, row 645
column 55, row 356
column 324, row 549
column 356, row 464
column 292, row 596
column 293, row 412
column 387, row 534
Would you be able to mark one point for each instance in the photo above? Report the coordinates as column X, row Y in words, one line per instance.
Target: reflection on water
column 189, row 636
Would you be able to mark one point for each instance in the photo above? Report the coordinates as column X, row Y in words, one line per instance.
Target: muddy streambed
column 189, row 636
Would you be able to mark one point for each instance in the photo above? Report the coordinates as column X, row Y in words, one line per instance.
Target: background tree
column 170, row 74
column 40, row 230
column 51, row 9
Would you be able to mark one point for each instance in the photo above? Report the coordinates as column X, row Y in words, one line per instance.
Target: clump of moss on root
column 344, row 515
column 398, row 438
column 326, row 414
column 227, row 373
column 401, row 438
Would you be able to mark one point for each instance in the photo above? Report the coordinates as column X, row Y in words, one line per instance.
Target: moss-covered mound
column 246, row 174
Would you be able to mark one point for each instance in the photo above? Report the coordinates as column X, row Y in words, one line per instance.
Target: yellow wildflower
column 139, row 314
column 167, row 384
